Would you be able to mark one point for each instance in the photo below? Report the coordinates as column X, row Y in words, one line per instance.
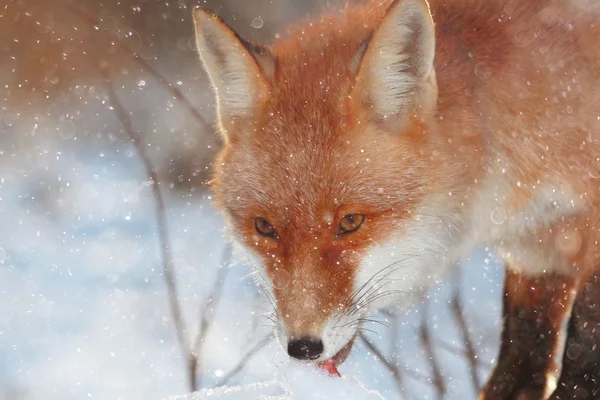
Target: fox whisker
column 376, row 279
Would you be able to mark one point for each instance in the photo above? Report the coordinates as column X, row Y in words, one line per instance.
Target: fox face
column 326, row 177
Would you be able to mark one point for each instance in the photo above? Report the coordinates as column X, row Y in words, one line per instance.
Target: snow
column 297, row 382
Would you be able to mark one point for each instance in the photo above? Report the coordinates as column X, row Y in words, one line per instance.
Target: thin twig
column 207, row 313
column 394, row 332
column 458, row 352
column 466, row 338
column 255, row 315
column 394, row 370
column 159, row 205
column 95, row 24
column 453, row 349
column 244, row 360
column 438, row 380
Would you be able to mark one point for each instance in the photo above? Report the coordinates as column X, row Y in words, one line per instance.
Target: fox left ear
column 396, row 76
column 239, row 71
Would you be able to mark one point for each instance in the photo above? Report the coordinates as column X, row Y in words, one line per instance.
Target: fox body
column 373, row 147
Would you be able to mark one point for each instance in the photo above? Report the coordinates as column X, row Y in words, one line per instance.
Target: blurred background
column 52, row 53
column 89, row 297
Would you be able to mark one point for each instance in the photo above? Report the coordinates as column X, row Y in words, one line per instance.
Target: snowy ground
column 84, row 307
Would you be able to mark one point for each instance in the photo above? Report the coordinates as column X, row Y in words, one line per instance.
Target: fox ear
column 396, row 76
column 238, row 70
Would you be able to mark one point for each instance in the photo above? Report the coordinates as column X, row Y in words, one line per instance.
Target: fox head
column 328, row 175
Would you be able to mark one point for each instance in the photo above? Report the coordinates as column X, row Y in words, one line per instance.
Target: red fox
column 375, row 146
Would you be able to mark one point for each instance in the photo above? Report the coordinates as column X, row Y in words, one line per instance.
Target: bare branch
column 394, row 333
column 207, row 313
column 459, row 352
column 466, row 338
column 438, row 380
column 244, row 360
column 159, row 204
column 394, row 370
column 453, row 349
column 174, row 91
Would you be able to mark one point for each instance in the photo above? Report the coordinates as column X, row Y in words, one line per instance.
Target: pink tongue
column 329, row 366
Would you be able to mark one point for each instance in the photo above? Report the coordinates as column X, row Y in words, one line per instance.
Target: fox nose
column 305, row 348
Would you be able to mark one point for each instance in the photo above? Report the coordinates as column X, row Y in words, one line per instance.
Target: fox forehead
column 313, row 155
column 306, row 173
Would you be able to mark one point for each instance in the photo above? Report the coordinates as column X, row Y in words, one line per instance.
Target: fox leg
column 535, row 312
column 580, row 377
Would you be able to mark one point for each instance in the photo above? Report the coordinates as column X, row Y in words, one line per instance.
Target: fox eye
column 264, row 228
column 350, row 223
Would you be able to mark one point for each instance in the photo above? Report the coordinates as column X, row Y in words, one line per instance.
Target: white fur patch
column 338, row 331
column 514, row 232
column 409, row 261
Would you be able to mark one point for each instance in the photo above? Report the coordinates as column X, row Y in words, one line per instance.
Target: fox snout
column 315, row 321
column 307, row 321
column 307, row 340
column 302, row 329
column 308, row 313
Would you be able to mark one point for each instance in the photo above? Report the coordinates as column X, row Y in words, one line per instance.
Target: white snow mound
column 299, row 382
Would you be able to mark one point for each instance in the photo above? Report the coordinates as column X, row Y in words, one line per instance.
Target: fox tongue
column 329, row 366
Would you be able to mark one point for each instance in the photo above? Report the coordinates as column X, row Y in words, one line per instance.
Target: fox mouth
column 330, row 365
column 341, row 355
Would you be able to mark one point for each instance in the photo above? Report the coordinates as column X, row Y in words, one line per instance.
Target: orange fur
column 516, row 116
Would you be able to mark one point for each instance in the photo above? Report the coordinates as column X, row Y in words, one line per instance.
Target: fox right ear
column 238, row 70
column 396, row 76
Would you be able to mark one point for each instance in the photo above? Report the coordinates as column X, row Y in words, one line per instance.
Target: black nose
column 305, row 349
